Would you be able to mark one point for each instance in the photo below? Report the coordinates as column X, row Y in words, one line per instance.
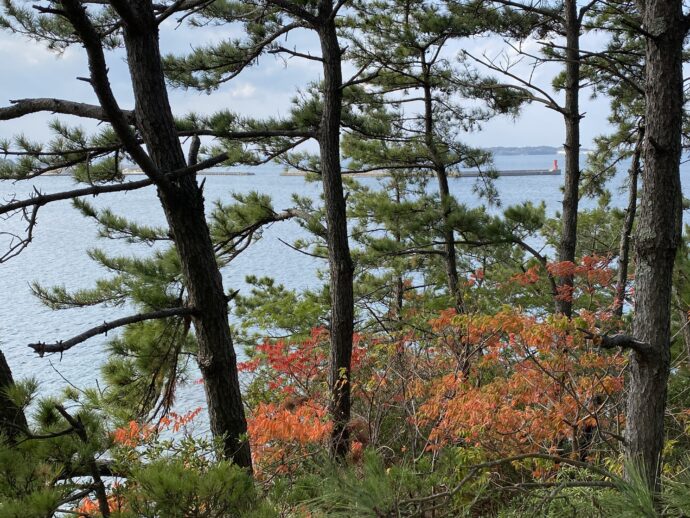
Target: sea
column 57, row 256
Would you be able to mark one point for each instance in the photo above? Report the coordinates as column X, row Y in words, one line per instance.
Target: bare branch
column 61, row 346
column 294, row 53
column 620, row 340
column 21, row 107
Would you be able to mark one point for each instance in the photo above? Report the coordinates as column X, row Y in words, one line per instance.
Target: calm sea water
column 57, row 257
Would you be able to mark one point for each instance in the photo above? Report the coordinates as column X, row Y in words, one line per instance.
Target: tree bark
column 658, row 234
column 626, row 232
column 571, row 196
column 685, row 328
column 399, row 287
column 449, row 254
column 12, row 418
column 183, row 203
column 340, row 261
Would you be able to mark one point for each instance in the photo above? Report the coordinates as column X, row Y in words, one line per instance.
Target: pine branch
column 99, row 486
column 296, row 10
column 63, row 345
column 21, row 107
column 94, row 190
column 78, row 17
column 533, row 8
column 249, row 134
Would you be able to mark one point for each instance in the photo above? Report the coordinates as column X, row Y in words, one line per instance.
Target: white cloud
column 260, row 91
column 242, row 91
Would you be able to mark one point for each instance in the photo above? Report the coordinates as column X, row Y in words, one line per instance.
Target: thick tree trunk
column 658, row 234
column 183, row 203
column 449, row 253
column 12, row 418
column 571, row 196
column 626, row 232
column 340, row 261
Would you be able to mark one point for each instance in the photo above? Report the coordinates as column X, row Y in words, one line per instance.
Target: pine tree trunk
column 568, row 243
column 340, row 261
column 685, row 326
column 630, row 211
column 449, row 253
column 396, row 310
column 12, row 418
column 658, row 234
column 685, row 321
column 183, row 204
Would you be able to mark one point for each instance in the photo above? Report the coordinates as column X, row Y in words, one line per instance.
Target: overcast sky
column 263, row 90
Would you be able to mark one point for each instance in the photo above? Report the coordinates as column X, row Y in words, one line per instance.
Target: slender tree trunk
column 399, row 288
column 449, row 242
column 449, row 253
column 658, row 233
column 340, row 261
column 685, row 322
column 12, row 418
column 183, row 204
column 571, row 196
column 682, row 310
column 626, row 232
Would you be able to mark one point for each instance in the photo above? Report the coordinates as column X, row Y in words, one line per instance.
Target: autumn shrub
column 498, row 385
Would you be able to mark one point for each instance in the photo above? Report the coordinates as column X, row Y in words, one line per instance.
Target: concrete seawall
column 461, row 174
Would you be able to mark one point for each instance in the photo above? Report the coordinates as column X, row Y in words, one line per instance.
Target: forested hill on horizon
column 257, row 260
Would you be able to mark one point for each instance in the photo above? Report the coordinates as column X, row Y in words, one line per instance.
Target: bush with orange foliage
column 533, row 384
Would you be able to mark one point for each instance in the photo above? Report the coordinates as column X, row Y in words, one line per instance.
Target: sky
column 263, row 90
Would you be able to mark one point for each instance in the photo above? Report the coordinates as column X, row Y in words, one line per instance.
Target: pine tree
column 135, row 25
column 423, row 98
column 209, row 67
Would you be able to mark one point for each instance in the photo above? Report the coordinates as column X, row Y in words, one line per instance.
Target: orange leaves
column 535, row 381
column 90, row 507
column 135, row 434
column 132, row 435
column 531, row 276
column 281, row 435
column 176, row 422
column 511, row 382
column 291, row 364
column 593, row 273
column 304, row 424
column 562, row 269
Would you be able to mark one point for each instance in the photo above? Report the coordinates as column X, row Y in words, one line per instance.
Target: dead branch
column 63, row 345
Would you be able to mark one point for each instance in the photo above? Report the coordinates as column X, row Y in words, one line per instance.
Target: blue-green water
column 62, row 236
